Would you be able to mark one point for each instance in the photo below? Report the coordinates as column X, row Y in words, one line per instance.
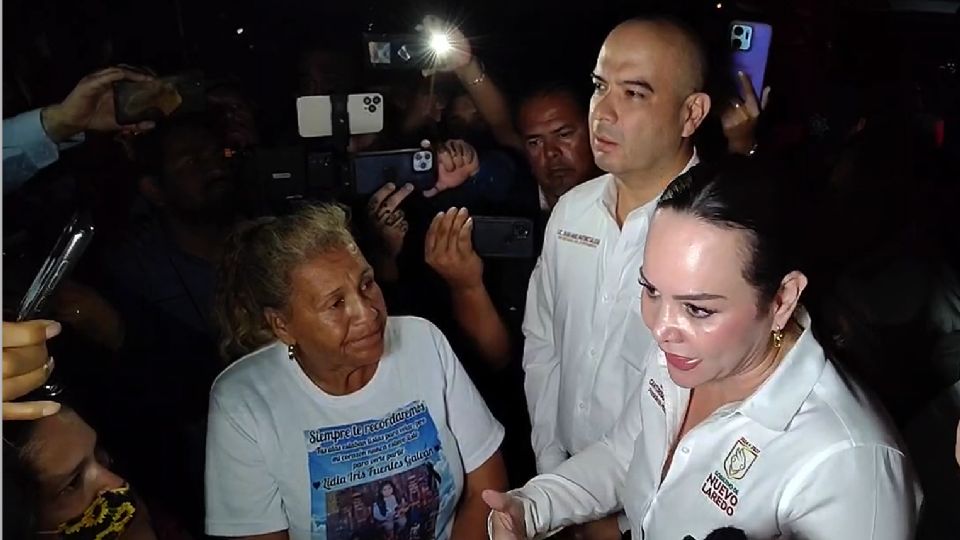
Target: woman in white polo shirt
column 743, row 420
column 334, row 400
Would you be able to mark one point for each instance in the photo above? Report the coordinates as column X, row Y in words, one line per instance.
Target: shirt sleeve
column 541, row 362
column 27, row 148
column 477, row 432
column 866, row 492
column 586, row 487
column 242, row 497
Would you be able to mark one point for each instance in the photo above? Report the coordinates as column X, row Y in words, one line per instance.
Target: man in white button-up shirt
column 584, row 294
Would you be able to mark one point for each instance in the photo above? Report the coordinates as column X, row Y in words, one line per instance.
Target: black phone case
column 503, row 237
column 371, row 170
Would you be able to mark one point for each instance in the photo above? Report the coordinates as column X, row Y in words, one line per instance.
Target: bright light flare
column 440, row 43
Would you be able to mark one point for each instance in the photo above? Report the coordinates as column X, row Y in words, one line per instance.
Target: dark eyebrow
column 684, row 297
column 642, row 84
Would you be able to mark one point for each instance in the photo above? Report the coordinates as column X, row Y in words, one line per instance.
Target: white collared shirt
column 583, row 296
column 806, row 456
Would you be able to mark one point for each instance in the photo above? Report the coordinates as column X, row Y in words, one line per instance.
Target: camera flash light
column 440, row 43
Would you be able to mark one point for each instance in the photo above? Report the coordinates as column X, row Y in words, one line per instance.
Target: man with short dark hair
column 553, row 125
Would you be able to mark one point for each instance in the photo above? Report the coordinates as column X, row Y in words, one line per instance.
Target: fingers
column 24, row 334
column 765, row 98
column 457, row 220
column 379, row 196
column 431, row 192
column 21, row 385
column 444, row 229
column 104, row 78
column 465, row 237
column 445, row 157
column 30, row 410
column 394, row 200
column 433, row 233
column 749, row 96
column 508, row 513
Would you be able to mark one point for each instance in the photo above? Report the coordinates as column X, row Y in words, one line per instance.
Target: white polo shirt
column 583, row 296
column 806, row 456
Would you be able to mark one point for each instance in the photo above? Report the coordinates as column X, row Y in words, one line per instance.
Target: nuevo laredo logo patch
column 719, row 487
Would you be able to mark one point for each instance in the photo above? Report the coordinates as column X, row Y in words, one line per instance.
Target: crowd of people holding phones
column 722, row 329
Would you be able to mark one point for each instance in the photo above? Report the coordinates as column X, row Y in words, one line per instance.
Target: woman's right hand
column 507, row 521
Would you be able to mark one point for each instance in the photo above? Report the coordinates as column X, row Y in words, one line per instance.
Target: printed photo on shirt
column 385, row 478
column 401, row 507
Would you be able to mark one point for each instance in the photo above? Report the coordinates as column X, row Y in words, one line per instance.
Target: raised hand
column 90, row 106
column 449, row 249
column 388, row 221
column 458, row 161
column 740, row 118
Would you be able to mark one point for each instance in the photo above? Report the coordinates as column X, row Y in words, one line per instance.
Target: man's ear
column 150, row 189
column 787, row 299
column 278, row 323
column 695, row 109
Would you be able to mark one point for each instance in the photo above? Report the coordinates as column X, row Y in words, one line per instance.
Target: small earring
column 291, row 352
column 777, row 337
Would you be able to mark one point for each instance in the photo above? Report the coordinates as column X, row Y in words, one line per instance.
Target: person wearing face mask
column 333, row 399
column 749, row 415
column 57, row 482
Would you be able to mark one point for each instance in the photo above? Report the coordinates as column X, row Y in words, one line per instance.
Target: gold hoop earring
column 777, row 337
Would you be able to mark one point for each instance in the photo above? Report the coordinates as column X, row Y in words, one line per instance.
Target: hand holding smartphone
column 750, row 46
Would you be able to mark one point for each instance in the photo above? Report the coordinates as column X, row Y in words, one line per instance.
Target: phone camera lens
column 738, row 30
column 366, row 100
column 376, row 100
column 737, row 44
column 372, row 108
column 521, row 232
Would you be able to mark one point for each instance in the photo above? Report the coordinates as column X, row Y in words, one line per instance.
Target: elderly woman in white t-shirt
column 743, row 419
column 333, row 399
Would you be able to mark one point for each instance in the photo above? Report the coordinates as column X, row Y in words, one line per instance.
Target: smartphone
column 315, row 115
column 371, row 170
column 71, row 244
column 750, row 47
column 397, row 51
column 503, row 237
column 159, row 98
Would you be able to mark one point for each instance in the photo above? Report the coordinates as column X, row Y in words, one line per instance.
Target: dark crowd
column 425, row 270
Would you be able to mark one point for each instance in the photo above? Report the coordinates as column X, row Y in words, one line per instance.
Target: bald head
column 648, row 101
column 680, row 45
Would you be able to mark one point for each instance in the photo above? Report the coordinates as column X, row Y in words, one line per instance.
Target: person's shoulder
column 841, row 412
column 414, row 340
column 251, row 373
column 410, row 325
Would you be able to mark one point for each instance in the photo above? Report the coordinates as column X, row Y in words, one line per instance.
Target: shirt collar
column 608, row 197
column 780, row 397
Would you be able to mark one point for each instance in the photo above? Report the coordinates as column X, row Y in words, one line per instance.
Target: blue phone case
column 750, row 43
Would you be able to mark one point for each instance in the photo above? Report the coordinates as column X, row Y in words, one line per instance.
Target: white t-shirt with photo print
column 284, row 455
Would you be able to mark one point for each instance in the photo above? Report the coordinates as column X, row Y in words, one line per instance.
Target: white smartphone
column 315, row 115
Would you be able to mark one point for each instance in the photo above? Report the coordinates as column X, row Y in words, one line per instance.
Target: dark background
column 50, row 44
